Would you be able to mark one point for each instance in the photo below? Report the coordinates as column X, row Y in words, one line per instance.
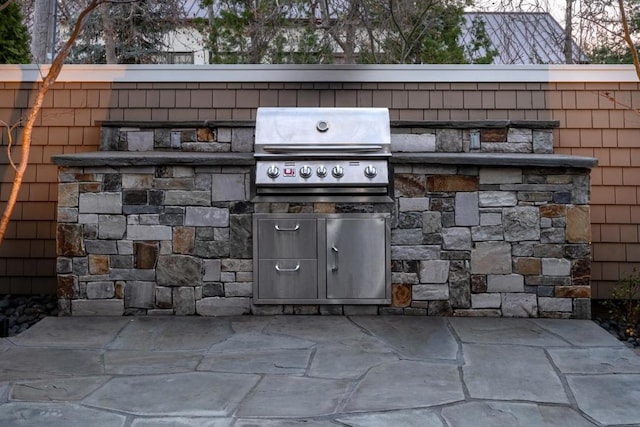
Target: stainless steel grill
column 323, row 153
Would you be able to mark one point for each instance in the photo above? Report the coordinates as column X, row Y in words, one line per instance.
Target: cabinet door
column 356, row 258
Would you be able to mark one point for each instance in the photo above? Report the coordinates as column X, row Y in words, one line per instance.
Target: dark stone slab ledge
column 153, row 158
column 496, row 159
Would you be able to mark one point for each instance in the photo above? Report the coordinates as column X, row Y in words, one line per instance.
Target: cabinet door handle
column 296, row 228
column 287, row 270
column 335, row 258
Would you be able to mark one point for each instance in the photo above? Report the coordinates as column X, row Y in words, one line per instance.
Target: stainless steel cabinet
column 356, row 266
column 321, row 259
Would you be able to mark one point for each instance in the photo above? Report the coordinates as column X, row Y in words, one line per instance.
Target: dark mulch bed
column 19, row 312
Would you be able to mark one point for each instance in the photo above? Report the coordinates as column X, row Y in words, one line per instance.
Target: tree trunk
column 42, row 32
column 568, row 33
column 109, row 34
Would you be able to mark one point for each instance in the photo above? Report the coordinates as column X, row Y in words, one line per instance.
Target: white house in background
column 517, row 37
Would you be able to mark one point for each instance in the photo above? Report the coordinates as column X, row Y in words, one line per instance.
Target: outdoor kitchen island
column 483, row 219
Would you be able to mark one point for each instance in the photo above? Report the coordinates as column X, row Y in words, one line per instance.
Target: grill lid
column 322, row 131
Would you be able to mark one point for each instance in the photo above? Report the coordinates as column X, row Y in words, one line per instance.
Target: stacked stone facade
column 479, row 235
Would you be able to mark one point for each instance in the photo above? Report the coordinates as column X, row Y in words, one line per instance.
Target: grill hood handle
column 324, row 147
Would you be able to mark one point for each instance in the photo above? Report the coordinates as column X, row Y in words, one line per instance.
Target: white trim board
column 327, row 73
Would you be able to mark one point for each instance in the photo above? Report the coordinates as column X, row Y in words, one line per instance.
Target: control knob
column 321, row 171
column 370, row 171
column 305, row 171
column 273, row 171
column 337, row 171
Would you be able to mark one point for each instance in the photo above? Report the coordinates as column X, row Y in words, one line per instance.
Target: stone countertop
column 496, row 159
column 152, row 158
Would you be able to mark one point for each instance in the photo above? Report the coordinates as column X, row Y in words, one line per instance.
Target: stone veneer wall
column 475, row 238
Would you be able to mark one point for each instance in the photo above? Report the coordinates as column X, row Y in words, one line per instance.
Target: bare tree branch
column 48, row 81
column 627, row 37
column 5, row 5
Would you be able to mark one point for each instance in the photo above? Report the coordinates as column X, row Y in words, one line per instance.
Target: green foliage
column 367, row 31
column 264, row 31
column 480, row 51
column 625, row 307
column 14, row 37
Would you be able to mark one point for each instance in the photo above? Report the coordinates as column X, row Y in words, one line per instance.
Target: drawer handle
column 296, row 228
column 287, row 270
column 335, row 258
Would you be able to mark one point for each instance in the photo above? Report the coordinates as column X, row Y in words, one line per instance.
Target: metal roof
column 523, row 37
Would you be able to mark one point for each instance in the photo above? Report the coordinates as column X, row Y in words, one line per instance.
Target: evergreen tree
column 14, row 37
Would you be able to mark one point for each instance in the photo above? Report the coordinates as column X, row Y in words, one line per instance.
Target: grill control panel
column 326, row 172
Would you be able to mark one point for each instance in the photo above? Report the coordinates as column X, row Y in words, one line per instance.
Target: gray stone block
column 140, row 141
column 491, row 258
column 112, row 226
column 242, row 140
column 211, row 270
column 430, row 292
column 240, row 238
column 223, row 306
column 486, row 300
column 138, row 294
column 521, row 223
column 406, row 236
column 184, row 302
column 487, row 233
column 207, row 217
column 164, row 297
column 556, row 267
column 435, row 271
column 490, row 218
column 179, row 270
column 418, row 252
column 581, row 190
column 148, row 232
column 108, row 203
column 100, row 290
column 105, row 307
column 519, row 135
column 101, row 247
column 132, row 274
column 125, row 247
column 456, row 238
column 497, row 198
column 64, row 265
column 404, row 142
column 505, row 283
column 408, row 204
column 448, row 140
column 500, row 175
column 507, row 147
column 406, row 278
column 467, row 212
column 238, row 289
column 228, row 186
column 232, row 264
column 555, row 304
column 227, row 276
column 431, row 222
column 187, row 198
column 519, row 305
column 543, row 141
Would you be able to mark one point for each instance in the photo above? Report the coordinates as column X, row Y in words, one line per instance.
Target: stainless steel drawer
column 288, row 278
column 287, row 238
